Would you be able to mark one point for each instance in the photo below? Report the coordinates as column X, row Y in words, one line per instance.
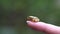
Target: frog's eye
column 33, row 19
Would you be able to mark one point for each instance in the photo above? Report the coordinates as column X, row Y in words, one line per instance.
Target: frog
column 33, row 19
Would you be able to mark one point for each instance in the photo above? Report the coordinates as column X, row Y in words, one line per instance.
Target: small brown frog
column 33, row 19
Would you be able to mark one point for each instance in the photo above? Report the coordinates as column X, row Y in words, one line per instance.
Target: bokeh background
column 13, row 14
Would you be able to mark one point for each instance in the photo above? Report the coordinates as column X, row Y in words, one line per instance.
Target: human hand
column 44, row 27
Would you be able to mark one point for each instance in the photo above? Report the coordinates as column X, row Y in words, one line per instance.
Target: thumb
column 44, row 27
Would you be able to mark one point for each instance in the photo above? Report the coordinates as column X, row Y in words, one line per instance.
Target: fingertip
column 36, row 25
column 31, row 23
column 27, row 21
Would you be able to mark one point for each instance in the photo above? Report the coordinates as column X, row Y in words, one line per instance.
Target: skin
column 44, row 27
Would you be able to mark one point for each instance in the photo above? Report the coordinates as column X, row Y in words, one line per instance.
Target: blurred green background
column 13, row 14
